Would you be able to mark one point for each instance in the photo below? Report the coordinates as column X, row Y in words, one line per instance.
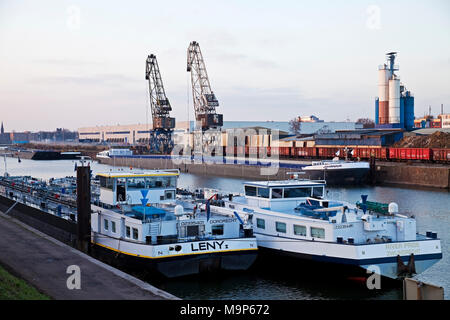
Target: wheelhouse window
column 277, row 193
column 250, row 191
column 192, row 231
column 217, row 230
column 299, row 230
column 260, row 223
column 106, row 182
column 169, row 194
column 136, row 183
column 280, row 227
column 121, row 189
column 135, row 234
column 171, row 182
column 105, row 223
column 317, row 192
column 297, row 192
column 113, row 226
column 263, row 193
column 128, row 232
column 317, row 232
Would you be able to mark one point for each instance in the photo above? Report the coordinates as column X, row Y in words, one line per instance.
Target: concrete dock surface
column 43, row 262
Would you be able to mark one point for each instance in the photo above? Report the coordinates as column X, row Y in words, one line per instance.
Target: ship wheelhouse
column 280, row 195
column 138, row 188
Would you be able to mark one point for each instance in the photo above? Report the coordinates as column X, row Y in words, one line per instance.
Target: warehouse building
column 139, row 133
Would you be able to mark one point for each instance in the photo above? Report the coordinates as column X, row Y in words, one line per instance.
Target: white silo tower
column 394, row 99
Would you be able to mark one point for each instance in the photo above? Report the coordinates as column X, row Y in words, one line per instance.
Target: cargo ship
column 139, row 223
column 54, row 155
column 337, row 171
column 294, row 220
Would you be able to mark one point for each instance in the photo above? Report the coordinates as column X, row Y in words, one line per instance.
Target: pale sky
column 82, row 63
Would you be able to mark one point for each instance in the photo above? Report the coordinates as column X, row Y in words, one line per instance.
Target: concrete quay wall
column 213, row 169
column 435, row 176
column 398, row 173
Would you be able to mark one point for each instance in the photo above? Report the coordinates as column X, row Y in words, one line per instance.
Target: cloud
column 246, row 59
column 67, row 62
column 98, row 79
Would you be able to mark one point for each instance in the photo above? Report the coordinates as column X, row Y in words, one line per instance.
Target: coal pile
column 438, row 139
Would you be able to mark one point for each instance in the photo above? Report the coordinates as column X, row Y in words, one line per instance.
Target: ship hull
column 338, row 176
column 178, row 265
column 355, row 258
column 54, row 155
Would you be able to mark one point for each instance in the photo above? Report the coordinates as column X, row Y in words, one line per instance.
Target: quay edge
column 392, row 173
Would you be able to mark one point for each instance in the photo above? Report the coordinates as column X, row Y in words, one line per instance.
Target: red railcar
column 366, row 153
column 253, row 151
column 305, row 152
column 229, row 151
column 441, row 155
column 274, row 150
column 240, row 151
column 410, row 153
column 285, row 152
column 324, row 152
column 264, row 152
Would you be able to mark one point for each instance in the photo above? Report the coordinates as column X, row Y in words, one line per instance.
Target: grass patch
column 13, row 288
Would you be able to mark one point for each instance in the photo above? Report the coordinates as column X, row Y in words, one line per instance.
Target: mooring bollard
column 83, row 208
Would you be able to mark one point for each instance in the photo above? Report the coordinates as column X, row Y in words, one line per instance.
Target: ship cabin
column 138, row 188
column 298, row 209
column 142, row 207
column 283, row 195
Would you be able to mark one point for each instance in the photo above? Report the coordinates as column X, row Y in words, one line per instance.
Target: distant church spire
column 2, row 130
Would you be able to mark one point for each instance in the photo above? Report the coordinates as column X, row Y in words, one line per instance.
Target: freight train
column 435, row 155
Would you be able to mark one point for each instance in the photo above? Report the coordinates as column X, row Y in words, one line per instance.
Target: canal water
column 431, row 207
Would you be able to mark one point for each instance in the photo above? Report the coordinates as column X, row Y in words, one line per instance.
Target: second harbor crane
column 161, row 136
column 205, row 101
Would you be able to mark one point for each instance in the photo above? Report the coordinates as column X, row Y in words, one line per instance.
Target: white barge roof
column 138, row 174
column 285, row 183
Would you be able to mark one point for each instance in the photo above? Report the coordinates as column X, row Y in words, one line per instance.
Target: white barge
column 293, row 218
column 141, row 224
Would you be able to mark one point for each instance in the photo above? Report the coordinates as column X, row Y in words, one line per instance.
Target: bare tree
column 366, row 122
column 295, row 126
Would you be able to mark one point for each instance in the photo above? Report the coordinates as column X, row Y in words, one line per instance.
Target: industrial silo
column 409, row 110
column 394, row 100
column 377, row 106
column 384, row 75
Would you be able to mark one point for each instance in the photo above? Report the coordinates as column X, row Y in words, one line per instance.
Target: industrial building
column 346, row 138
column 127, row 134
column 442, row 121
column 139, row 133
column 394, row 106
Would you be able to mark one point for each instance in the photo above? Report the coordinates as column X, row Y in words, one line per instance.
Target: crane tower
column 161, row 139
column 205, row 101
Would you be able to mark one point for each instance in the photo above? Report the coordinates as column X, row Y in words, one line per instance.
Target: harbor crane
column 205, row 101
column 161, row 136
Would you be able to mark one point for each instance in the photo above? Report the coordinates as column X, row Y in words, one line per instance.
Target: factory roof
column 138, row 174
column 296, row 138
column 357, row 133
column 258, row 128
